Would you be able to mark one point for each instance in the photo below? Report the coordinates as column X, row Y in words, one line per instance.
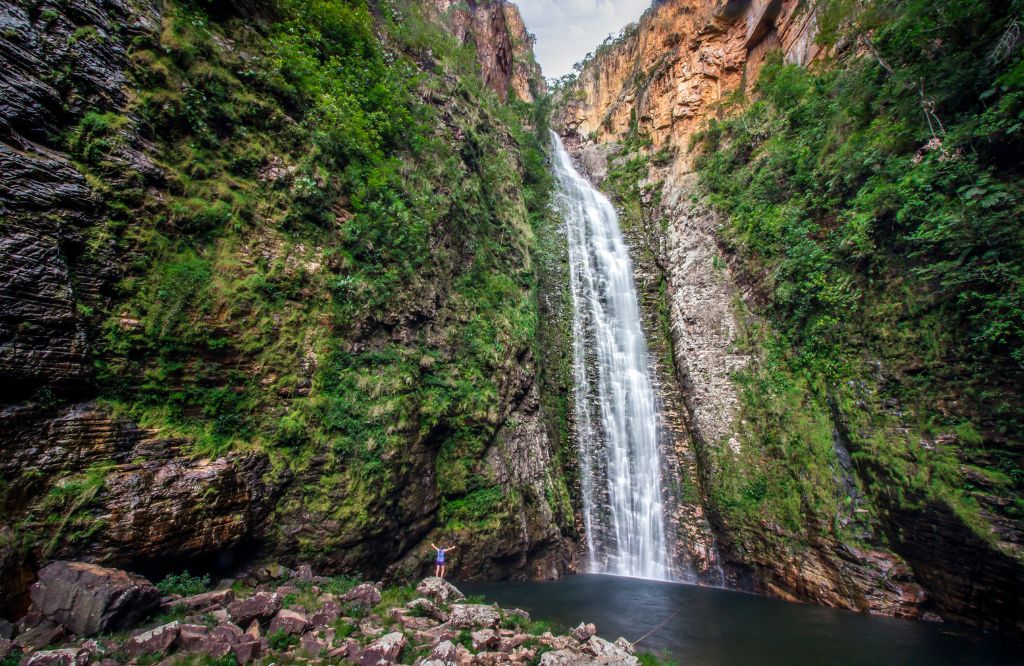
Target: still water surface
column 723, row 628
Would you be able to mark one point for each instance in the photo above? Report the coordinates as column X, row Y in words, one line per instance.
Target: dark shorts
column 440, row 563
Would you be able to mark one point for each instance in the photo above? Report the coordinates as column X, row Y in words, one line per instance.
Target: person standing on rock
column 439, row 565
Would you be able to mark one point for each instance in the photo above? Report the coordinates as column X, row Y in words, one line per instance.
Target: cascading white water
column 617, row 418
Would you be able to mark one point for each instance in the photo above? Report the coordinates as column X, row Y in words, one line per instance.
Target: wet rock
column 365, row 594
column 485, row 639
column 291, row 622
column 472, row 616
column 88, row 599
column 584, row 632
column 207, row 601
column 63, row 657
column 6, row 647
column 384, row 650
column 262, row 606
column 439, row 590
column 6, row 629
column 156, row 640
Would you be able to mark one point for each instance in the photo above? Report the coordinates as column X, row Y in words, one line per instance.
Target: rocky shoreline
column 86, row 614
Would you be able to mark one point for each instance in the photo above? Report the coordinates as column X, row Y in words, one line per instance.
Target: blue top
column 440, row 555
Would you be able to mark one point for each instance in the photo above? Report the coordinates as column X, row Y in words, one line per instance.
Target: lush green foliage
column 881, row 198
column 334, row 257
column 184, row 584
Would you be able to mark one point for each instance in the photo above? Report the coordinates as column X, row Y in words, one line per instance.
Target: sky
column 567, row 29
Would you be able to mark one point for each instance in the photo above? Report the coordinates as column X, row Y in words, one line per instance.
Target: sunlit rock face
column 684, row 62
column 682, row 57
column 504, row 47
column 665, row 77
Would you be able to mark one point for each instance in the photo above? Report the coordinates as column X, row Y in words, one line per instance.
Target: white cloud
column 567, row 29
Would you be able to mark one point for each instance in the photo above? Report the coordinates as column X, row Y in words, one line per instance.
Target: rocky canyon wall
column 631, row 117
column 205, row 353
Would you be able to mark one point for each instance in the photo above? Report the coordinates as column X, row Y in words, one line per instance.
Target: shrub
column 184, row 584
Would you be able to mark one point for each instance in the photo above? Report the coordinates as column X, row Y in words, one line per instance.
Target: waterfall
column 617, row 419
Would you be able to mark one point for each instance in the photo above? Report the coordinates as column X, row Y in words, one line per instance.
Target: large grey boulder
column 384, row 650
column 89, row 599
column 474, row 616
column 440, row 590
column 364, row 594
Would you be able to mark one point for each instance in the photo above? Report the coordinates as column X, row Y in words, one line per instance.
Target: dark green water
column 719, row 627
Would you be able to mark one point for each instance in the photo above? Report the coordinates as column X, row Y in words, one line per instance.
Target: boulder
column 41, row 635
column 305, row 573
column 518, row 612
column 311, row 646
column 6, row 647
column 510, row 643
column 492, row 658
column 384, row 650
column 88, row 599
column 254, row 630
column 485, row 639
column 65, row 657
column 370, row 629
column 215, row 648
column 207, row 601
column 154, row 641
column 229, row 633
column 427, row 608
column 192, row 636
column 474, row 616
column 326, row 615
column 440, row 590
column 599, row 647
column 246, row 651
column 564, row 658
column 624, row 645
column 583, row 632
column 262, row 606
column 6, row 629
column 444, row 652
column 364, row 594
column 289, row 621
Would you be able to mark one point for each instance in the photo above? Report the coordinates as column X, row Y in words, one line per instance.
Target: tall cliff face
column 268, row 281
column 805, row 470
column 504, row 48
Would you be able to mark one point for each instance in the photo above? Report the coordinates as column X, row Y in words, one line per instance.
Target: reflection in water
column 719, row 627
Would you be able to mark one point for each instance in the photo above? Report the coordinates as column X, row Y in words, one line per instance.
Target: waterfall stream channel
column 616, row 407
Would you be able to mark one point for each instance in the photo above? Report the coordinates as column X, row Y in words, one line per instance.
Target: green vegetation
column 282, row 641
column 333, row 247
column 184, row 584
column 880, row 197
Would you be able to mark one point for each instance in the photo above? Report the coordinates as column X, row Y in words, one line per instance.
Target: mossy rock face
column 299, row 245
